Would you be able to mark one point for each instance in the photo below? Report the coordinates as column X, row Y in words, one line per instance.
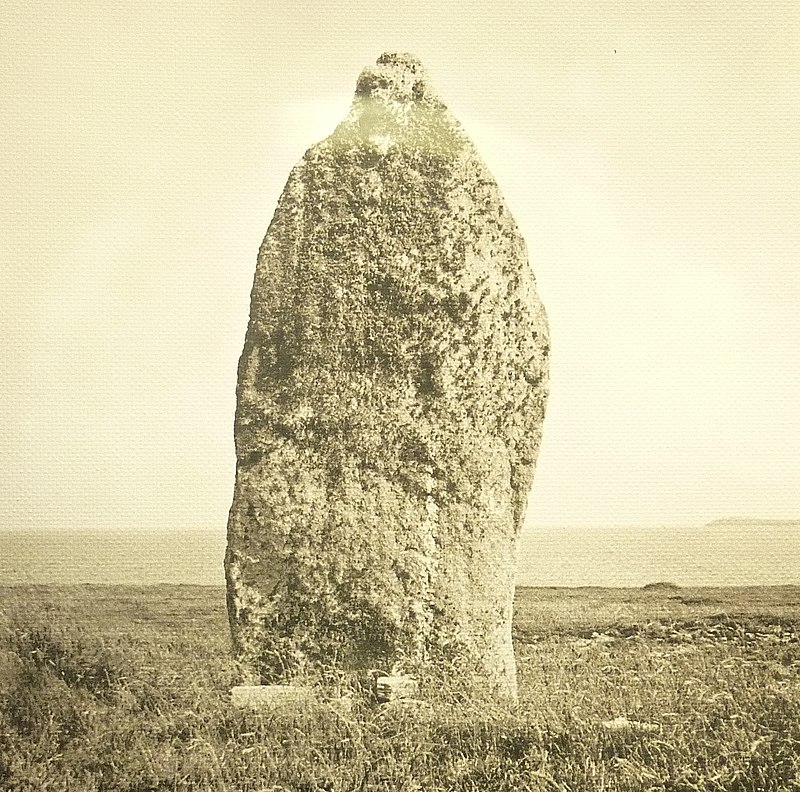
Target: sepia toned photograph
column 399, row 397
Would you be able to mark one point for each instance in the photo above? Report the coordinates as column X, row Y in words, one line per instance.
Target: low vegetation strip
column 125, row 688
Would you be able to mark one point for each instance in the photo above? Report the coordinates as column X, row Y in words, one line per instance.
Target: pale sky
column 649, row 151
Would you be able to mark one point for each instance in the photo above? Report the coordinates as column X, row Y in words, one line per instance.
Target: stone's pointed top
column 404, row 60
column 396, row 76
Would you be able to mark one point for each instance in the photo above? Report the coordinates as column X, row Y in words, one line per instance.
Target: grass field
column 126, row 688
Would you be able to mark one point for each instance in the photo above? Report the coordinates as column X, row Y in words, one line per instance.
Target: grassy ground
column 122, row 688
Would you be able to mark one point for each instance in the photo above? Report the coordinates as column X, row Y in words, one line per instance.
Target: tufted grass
column 125, row 688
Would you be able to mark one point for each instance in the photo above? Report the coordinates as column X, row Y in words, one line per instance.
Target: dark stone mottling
column 390, row 403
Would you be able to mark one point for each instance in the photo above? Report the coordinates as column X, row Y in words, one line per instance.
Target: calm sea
column 726, row 554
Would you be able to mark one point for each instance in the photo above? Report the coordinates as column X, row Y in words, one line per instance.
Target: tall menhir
column 391, row 395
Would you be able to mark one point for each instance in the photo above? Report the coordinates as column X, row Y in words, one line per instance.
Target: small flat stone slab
column 622, row 724
column 265, row 697
column 392, row 688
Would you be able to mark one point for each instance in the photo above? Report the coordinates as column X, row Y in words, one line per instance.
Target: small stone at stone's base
column 391, row 688
column 270, row 696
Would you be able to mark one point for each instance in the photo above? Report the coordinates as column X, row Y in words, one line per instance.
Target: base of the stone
column 268, row 697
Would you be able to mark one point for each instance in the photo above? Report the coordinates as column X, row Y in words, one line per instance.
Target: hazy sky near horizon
column 650, row 153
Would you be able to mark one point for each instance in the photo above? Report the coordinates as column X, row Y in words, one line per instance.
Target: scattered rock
column 595, row 639
column 622, row 724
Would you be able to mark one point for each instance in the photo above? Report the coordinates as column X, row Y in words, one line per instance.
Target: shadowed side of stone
column 390, row 401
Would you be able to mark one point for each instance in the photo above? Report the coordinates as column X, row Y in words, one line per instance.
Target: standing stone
column 391, row 395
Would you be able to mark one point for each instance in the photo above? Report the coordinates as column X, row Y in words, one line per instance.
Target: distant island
column 755, row 522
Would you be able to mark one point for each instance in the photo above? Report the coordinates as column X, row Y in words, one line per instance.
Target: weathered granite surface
column 391, row 395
